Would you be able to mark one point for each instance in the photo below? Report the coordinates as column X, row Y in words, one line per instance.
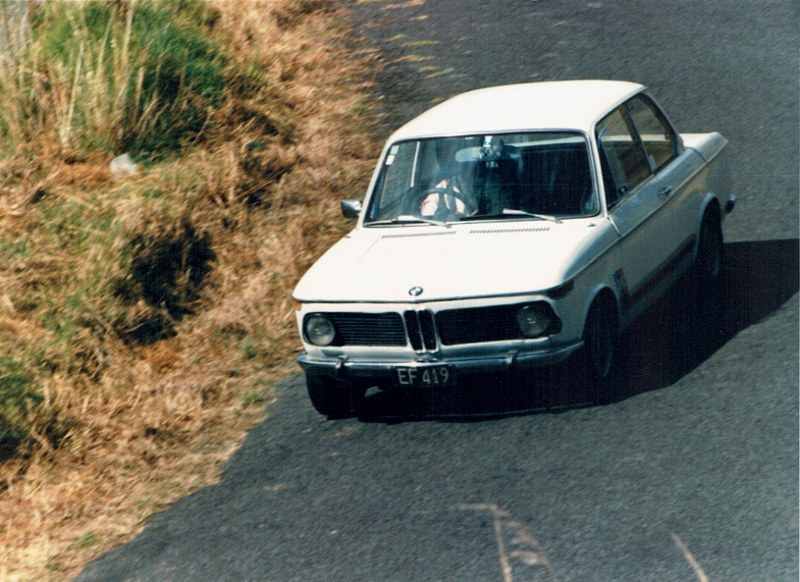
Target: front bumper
column 382, row 372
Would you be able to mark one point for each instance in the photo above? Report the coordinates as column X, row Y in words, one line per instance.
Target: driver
column 451, row 195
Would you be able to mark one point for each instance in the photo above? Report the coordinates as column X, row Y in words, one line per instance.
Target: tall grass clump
column 138, row 76
column 144, row 317
column 18, row 400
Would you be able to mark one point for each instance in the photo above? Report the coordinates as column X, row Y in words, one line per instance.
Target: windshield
column 521, row 175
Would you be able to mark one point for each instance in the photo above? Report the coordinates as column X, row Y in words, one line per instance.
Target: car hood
column 475, row 260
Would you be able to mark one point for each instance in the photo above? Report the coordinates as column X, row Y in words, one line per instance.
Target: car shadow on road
column 658, row 349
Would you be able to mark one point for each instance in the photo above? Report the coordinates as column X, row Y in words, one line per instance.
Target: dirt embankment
column 144, row 316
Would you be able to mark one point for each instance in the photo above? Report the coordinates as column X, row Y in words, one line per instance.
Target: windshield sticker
column 392, row 155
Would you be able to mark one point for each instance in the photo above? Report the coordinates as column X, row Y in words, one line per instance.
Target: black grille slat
column 479, row 324
column 427, row 329
column 421, row 329
column 368, row 329
column 412, row 325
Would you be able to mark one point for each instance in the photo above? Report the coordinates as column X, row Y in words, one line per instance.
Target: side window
column 655, row 131
column 624, row 163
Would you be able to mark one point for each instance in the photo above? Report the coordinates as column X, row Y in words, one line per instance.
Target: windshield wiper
column 407, row 219
column 514, row 212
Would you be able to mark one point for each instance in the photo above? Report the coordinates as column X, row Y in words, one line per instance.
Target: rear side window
column 623, row 159
column 656, row 133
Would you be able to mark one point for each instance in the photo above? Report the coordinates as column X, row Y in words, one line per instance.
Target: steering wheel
column 442, row 204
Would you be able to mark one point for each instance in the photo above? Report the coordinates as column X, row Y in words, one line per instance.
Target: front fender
column 613, row 297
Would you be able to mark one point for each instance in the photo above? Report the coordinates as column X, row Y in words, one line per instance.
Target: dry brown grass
column 129, row 423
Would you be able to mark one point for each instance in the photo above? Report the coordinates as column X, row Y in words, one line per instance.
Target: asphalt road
column 692, row 471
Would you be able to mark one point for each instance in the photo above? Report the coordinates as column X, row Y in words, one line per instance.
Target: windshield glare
column 473, row 177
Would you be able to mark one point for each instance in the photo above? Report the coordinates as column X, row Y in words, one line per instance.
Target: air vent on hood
column 510, row 230
column 418, row 234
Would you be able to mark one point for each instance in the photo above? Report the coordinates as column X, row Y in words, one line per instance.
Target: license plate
column 424, row 376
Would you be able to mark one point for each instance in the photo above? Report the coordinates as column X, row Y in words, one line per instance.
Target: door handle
column 665, row 191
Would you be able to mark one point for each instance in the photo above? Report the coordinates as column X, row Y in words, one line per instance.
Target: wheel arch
column 710, row 207
column 609, row 300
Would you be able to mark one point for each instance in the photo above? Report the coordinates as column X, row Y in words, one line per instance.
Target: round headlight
column 319, row 330
column 533, row 320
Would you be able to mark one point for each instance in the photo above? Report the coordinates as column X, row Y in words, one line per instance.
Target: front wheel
column 600, row 340
column 333, row 398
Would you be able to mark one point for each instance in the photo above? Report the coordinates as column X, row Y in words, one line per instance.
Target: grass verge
column 143, row 318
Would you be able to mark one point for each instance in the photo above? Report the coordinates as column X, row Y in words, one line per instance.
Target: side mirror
column 730, row 204
column 350, row 208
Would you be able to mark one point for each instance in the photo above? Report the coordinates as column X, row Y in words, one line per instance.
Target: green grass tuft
column 120, row 76
column 19, row 399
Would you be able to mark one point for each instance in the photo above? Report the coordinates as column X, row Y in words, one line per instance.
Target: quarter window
column 623, row 158
column 657, row 135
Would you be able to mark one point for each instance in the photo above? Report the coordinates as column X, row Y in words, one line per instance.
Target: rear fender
column 710, row 205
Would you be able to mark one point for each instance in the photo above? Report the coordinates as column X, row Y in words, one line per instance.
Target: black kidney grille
column 412, row 325
column 426, row 325
column 421, row 329
column 478, row 324
column 368, row 329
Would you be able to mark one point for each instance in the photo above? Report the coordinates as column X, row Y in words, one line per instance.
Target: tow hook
column 511, row 359
column 340, row 369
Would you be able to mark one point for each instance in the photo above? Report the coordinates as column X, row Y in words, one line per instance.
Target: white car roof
column 549, row 105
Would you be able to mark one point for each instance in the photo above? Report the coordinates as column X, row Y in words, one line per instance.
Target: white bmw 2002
column 509, row 228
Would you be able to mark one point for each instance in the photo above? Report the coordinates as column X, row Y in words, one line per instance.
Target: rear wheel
column 600, row 340
column 706, row 275
column 333, row 398
column 708, row 264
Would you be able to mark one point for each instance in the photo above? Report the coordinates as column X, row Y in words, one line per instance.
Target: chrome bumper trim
column 506, row 363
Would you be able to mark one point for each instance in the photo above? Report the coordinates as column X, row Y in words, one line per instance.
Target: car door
column 639, row 181
column 673, row 169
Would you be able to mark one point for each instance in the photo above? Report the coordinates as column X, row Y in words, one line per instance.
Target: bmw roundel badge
column 415, row 291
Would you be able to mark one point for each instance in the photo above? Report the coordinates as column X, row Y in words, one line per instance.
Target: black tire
column 600, row 338
column 705, row 279
column 332, row 398
column 708, row 264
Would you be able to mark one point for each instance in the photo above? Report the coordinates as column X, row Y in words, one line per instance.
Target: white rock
column 123, row 166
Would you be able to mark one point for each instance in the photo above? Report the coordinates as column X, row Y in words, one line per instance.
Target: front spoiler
column 344, row 369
